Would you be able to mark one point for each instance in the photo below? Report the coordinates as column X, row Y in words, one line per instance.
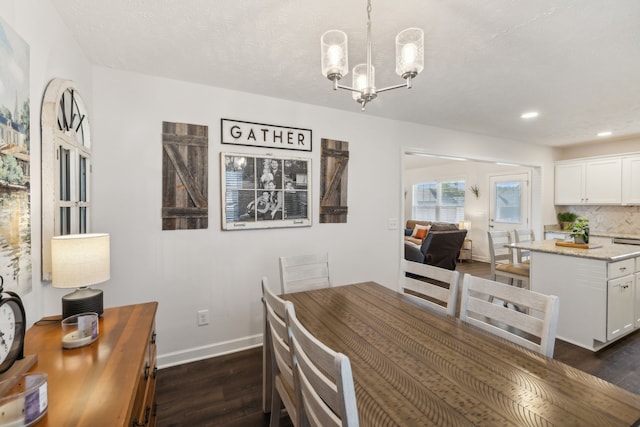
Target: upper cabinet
column 569, row 183
column 631, row 180
column 592, row 181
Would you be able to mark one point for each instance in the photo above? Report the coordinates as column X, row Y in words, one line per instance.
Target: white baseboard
column 204, row 352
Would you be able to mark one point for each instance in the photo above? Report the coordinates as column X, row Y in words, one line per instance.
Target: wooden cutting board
column 579, row 245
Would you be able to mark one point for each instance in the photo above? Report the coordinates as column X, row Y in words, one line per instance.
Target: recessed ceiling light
column 605, row 133
column 530, row 115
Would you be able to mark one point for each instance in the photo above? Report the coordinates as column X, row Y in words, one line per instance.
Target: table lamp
column 78, row 261
column 464, row 225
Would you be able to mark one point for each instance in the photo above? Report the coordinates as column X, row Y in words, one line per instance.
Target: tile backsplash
column 608, row 219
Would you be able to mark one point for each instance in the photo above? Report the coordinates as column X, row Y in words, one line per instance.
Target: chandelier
column 335, row 62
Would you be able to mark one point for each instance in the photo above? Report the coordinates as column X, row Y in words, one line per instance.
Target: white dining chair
column 535, row 328
column 278, row 340
column 434, row 286
column 327, row 393
column 502, row 259
column 523, row 235
column 304, row 272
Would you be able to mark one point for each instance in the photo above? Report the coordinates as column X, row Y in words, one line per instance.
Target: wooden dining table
column 413, row 366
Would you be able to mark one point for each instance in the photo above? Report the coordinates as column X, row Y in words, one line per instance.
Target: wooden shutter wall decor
column 334, row 160
column 184, row 176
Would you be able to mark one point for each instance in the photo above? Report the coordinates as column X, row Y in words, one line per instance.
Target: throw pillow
column 421, row 233
column 419, row 227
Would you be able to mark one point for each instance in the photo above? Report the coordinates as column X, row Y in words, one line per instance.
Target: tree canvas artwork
column 15, row 174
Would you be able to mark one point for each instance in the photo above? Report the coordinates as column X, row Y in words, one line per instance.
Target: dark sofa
column 439, row 248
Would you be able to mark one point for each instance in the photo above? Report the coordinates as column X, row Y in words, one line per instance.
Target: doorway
column 418, row 165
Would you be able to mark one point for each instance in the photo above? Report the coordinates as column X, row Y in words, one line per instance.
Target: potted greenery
column 580, row 230
column 566, row 219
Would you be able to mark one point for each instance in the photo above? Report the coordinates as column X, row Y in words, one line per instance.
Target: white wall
column 53, row 53
column 220, row 270
column 601, row 147
column 189, row 270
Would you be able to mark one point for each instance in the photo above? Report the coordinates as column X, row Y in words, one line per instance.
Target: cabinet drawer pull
column 155, row 372
column 623, row 268
column 146, row 371
column 153, row 338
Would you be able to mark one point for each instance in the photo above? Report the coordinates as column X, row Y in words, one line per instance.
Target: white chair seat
column 519, row 269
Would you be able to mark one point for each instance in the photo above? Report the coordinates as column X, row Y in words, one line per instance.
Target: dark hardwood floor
column 227, row 390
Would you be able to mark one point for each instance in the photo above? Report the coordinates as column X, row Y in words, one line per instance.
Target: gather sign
column 262, row 135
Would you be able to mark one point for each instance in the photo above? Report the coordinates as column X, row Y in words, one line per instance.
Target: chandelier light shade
column 409, row 52
column 361, row 80
column 335, row 61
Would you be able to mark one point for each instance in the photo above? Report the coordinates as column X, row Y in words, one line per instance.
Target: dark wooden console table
column 110, row 382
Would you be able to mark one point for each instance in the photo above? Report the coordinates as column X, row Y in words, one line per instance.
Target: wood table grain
column 94, row 385
column 415, row 367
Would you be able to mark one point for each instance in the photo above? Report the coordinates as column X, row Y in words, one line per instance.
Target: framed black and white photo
column 263, row 191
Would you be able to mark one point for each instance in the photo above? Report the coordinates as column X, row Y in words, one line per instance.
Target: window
column 508, row 206
column 439, row 201
column 66, row 166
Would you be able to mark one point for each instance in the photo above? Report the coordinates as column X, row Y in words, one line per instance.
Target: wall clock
column 66, row 165
column 12, row 328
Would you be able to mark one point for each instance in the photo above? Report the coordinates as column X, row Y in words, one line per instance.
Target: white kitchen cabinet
column 603, row 181
column 593, row 181
column 637, row 285
column 620, row 306
column 599, row 292
column 631, row 180
column 569, row 189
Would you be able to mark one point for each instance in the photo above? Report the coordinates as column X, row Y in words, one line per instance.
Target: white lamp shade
column 79, row 260
column 409, row 52
column 464, row 225
column 335, row 58
column 360, row 80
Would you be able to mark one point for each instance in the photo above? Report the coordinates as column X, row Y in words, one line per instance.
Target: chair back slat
column 325, row 378
column 502, row 258
column 284, row 388
column 442, row 296
column 534, row 327
column 523, row 235
column 304, row 272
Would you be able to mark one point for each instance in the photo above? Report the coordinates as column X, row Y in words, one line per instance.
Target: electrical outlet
column 203, row 317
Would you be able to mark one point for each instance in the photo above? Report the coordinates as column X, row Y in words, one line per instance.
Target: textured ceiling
column 486, row 61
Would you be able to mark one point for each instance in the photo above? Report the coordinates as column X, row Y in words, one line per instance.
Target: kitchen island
column 598, row 288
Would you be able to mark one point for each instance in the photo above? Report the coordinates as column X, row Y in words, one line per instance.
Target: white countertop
column 607, row 252
column 594, row 233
